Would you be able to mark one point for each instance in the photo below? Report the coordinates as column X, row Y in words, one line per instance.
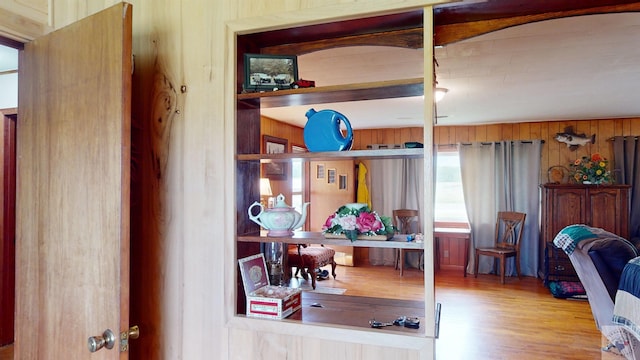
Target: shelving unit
column 310, row 237
column 248, row 239
column 249, row 159
column 336, row 93
column 337, row 155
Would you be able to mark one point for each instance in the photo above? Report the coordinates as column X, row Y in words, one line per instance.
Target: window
column 449, row 198
column 297, row 179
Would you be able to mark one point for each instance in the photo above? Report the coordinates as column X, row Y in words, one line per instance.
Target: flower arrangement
column 591, row 170
column 357, row 219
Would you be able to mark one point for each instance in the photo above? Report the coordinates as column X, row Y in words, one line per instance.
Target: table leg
column 466, row 256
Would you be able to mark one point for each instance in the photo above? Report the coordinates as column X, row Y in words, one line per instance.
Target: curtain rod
column 492, row 142
column 635, row 137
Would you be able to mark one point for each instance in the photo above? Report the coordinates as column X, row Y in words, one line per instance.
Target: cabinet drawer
column 558, row 267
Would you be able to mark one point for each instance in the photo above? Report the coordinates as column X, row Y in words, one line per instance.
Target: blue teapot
column 323, row 133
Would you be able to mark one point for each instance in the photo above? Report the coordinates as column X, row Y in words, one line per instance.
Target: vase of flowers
column 355, row 221
column 591, row 170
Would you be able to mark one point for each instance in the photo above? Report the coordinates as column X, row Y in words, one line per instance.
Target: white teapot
column 280, row 220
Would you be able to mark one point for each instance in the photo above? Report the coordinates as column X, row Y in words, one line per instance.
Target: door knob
column 108, row 339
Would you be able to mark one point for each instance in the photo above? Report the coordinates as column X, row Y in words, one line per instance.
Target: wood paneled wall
column 362, row 138
column 553, row 152
column 295, row 137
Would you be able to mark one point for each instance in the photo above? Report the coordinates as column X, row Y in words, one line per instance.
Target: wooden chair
column 402, row 220
column 508, row 233
column 307, row 259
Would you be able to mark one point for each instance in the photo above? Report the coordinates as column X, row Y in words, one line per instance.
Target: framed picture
column 342, row 182
column 274, row 145
column 320, row 171
column 331, row 176
column 269, row 72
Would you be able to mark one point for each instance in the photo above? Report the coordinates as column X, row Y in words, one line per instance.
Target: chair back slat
column 509, row 227
column 403, row 218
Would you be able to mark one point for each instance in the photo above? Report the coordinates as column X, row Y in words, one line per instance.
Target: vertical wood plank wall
column 553, row 152
column 181, row 53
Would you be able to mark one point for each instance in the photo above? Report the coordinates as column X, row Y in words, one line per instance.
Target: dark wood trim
column 8, row 228
column 451, row 24
column 406, row 38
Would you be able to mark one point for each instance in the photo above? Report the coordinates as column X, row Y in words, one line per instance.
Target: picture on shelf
column 274, row 145
column 269, row 72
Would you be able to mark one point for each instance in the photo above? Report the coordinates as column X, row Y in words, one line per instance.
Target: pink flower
column 347, row 222
column 368, row 222
column 329, row 223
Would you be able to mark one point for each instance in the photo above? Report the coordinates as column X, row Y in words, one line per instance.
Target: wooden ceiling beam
column 407, row 38
column 451, row 33
column 453, row 24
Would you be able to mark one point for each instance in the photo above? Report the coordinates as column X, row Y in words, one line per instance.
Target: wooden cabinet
column 602, row 206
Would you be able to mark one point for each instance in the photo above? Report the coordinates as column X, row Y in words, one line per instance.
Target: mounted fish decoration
column 574, row 140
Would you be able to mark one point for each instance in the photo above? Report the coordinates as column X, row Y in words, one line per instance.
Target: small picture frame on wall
column 342, row 182
column 274, row 170
column 320, row 171
column 331, row 176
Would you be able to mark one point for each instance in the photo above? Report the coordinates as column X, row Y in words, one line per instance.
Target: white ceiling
column 585, row 67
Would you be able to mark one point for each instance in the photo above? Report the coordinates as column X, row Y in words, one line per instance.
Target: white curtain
column 502, row 176
column 395, row 184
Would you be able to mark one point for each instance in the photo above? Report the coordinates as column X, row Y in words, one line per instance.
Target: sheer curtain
column 502, row 176
column 395, row 184
column 626, row 152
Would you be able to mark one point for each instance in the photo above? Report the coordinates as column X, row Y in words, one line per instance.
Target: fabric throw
column 569, row 237
column 566, row 289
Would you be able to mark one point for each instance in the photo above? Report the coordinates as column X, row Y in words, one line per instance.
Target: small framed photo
column 342, row 182
column 274, row 145
column 331, row 176
column 269, row 72
column 320, row 171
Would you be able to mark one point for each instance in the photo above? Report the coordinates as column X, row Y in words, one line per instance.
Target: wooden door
column 568, row 207
column 73, row 181
column 608, row 209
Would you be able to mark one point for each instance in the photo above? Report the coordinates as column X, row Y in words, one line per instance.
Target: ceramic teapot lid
column 280, row 202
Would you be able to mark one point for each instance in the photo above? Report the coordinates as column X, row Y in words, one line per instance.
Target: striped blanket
column 626, row 311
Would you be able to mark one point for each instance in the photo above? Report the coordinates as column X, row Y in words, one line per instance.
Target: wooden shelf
column 336, row 93
column 310, row 237
column 338, row 155
column 356, row 311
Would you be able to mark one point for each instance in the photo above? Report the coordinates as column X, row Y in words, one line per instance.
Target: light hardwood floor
column 482, row 319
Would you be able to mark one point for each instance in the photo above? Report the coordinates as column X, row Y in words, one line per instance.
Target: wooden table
column 452, row 233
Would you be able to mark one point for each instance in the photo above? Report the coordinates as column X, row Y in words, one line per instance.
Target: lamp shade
column 265, row 187
column 439, row 93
